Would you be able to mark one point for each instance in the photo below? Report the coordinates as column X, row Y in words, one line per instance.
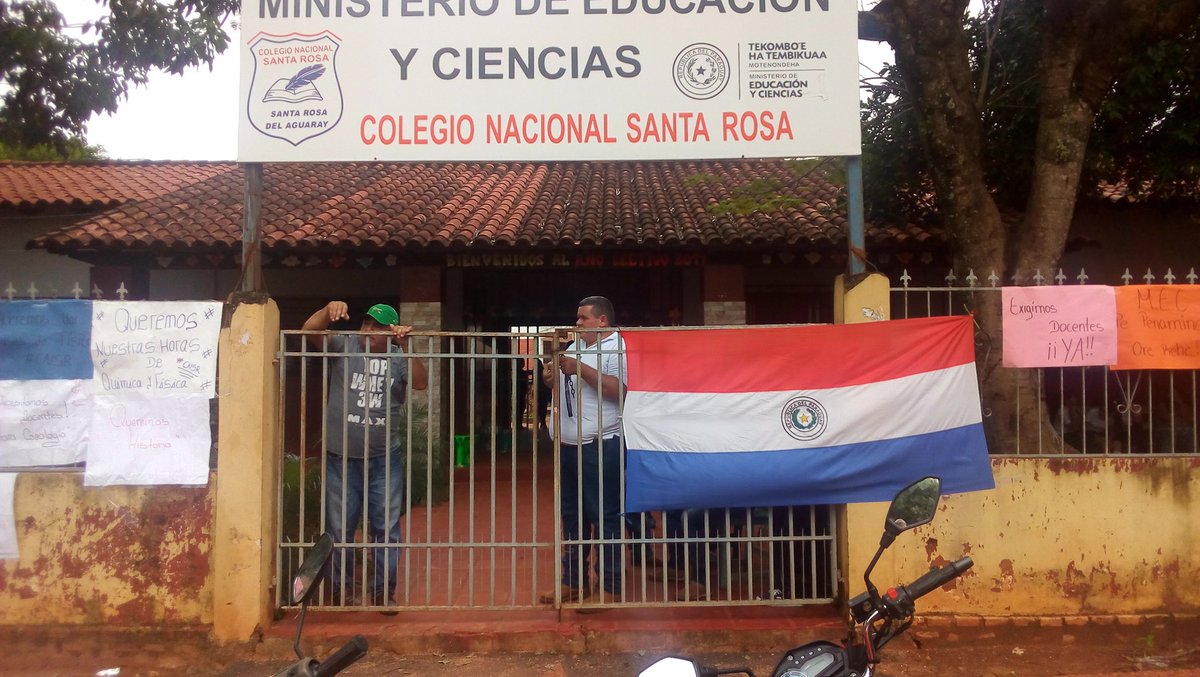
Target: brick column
column 724, row 295
column 421, row 306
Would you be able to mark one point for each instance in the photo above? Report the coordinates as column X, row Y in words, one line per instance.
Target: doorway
column 497, row 299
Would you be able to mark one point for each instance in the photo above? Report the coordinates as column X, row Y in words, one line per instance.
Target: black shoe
column 390, row 606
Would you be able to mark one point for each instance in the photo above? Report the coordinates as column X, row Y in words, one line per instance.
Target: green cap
column 383, row 314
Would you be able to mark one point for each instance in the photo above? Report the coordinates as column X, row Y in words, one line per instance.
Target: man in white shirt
column 589, row 385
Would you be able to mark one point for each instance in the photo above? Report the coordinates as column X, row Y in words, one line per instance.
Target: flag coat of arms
column 770, row 416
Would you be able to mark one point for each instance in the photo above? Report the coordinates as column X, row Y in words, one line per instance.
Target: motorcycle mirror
column 913, row 506
column 675, row 667
column 312, row 570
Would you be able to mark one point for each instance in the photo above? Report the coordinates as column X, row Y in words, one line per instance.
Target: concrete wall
column 1065, row 536
column 164, row 555
column 1056, row 537
column 53, row 275
column 128, row 556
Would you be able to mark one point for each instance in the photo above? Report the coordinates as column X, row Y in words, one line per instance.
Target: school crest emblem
column 295, row 93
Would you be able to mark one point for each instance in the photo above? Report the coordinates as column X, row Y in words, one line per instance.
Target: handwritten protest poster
column 1158, row 327
column 1059, row 326
column 144, row 438
column 163, row 347
column 45, row 340
column 45, row 382
column 44, row 422
column 8, row 521
column 155, row 370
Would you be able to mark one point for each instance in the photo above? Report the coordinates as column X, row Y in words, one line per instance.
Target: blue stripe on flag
column 852, row 473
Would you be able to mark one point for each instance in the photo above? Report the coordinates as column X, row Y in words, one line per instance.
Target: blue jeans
column 599, row 512
column 697, row 551
column 384, row 485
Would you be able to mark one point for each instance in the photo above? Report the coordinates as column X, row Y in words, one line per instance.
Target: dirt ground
column 1171, row 650
column 966, row 661
column 1109, row 654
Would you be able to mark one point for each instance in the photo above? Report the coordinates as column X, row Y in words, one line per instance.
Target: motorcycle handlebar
column 936, row 578
column 351, row 651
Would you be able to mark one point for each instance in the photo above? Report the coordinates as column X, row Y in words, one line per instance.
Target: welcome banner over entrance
column 431, row 80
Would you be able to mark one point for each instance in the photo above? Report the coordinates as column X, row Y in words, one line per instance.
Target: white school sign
column 438, row 80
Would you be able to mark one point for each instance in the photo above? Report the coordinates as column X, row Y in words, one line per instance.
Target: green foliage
column 301, row 496
column 892, row 149
column 74, row 150
column 55, row 82
column 1146, row 136
column 1148, row 133
column 1005, row 58
column 426, row 461
column 771, row 195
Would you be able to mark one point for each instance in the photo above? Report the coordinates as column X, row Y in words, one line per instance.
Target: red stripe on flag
column 758, row 359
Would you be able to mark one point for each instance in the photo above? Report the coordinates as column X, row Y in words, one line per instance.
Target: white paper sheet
column 44, row 422
column 159, row 347
column 8, row 521
column 144, row 438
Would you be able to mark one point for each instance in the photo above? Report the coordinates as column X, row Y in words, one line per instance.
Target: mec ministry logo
column 701, row 71
column 295, row 93
column 804, row 418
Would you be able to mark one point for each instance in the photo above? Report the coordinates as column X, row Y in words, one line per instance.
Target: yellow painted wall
column 245, row 522
column 149, row 556
column 1056, row 537
column 135, row 556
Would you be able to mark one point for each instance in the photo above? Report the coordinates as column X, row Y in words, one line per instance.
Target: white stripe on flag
column 933, row 401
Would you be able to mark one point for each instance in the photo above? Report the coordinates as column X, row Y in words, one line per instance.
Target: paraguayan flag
column 773, row 416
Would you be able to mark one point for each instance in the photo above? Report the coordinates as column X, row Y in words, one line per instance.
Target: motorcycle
column 313, row 570
column 877, row 618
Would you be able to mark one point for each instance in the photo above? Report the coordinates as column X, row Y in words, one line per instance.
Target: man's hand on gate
column 337, row 310
column 400, row 334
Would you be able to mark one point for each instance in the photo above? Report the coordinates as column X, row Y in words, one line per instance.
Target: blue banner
column 45, row 340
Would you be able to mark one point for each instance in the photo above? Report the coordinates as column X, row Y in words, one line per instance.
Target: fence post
column 861, row 297
column 245, row 528
column 858, row 297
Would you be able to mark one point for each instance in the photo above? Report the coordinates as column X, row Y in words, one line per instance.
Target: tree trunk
column 932, row 55
column 1015, row 416
column 1085, row 43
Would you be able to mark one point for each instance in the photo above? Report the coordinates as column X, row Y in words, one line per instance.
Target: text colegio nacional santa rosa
column 436, row 80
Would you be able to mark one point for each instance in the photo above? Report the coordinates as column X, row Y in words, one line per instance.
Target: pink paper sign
column 1059, row 326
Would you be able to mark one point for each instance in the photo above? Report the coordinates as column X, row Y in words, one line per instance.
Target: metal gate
column 479, row 509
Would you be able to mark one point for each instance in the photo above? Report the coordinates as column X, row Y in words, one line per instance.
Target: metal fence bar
column 33, row 293
column 456, row 538
column 1094, row 410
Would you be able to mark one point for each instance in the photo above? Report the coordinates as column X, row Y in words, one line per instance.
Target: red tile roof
column 326, row 207
column 97, row 184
